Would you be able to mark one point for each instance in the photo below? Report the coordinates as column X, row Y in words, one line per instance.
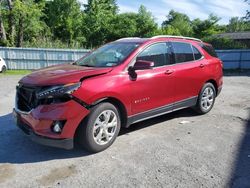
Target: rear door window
column 183, row 52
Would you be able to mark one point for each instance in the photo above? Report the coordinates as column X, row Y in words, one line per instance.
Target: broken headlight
column 58, row 91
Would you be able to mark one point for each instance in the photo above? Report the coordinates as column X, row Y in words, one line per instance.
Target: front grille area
column 26, row 97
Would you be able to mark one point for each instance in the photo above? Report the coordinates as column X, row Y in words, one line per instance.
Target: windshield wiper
column 87, row 65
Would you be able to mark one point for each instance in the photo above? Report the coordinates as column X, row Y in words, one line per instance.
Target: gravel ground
column 180, row 149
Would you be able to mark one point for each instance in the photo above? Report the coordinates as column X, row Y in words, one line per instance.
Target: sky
column 225, row 9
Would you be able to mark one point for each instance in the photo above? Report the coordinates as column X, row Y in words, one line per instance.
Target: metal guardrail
column 35, row 58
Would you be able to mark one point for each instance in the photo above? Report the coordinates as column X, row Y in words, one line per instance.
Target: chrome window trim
column 167, row 41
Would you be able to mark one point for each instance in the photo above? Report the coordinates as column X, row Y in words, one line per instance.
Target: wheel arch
column 116, row 102
column 212, row 81
column 120, row 107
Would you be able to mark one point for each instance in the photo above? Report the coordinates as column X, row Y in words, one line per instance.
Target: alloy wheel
column 105, row 127
column 207, row 98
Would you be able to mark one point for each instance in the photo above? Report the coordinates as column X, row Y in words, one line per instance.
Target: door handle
column 202, row 65
column 169, row 71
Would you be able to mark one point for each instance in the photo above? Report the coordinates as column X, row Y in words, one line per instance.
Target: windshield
column 108, row 55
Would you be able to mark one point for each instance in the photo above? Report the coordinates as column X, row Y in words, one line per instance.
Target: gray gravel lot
column 212, row 150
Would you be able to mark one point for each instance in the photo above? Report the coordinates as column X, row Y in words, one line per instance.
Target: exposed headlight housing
column 58, row 91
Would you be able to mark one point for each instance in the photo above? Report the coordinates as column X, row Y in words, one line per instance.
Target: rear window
column 209, row 49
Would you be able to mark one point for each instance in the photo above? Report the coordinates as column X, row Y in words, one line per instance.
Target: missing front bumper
column 65, row 143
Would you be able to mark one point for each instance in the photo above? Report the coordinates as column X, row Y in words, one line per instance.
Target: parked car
column 121, row 83
column 3, row 66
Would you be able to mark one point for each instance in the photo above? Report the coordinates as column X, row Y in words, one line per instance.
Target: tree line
column 70, row 24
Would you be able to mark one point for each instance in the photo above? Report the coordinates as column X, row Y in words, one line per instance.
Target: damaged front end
column 49, row 115
column 30, row 97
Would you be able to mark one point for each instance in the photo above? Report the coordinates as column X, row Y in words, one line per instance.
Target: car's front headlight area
column 56, row 94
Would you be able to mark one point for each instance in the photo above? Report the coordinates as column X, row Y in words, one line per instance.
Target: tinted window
column 157, row 53
column 209, row 49
column 197, row 54
column 182, row 52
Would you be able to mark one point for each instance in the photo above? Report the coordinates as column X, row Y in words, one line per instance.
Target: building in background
column 242, row 37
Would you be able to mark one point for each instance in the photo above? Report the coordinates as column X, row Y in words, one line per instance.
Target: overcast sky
column 225, row 9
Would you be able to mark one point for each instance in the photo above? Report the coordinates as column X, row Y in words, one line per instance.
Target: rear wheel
column 100, row 129
column 3, row 69
column 206, row 99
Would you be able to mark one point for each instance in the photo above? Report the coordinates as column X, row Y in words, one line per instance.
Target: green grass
column 16, row 72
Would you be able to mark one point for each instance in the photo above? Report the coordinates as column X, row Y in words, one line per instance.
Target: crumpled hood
column 61, row 74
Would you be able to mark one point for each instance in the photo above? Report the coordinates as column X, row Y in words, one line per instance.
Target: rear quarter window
column 209, row 49
column 197, row 54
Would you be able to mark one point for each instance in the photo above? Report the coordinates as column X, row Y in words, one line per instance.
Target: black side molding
column 162, row 110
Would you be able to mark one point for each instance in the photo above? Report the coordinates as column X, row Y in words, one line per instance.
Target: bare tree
column 2, row 30
column 248, row 11
column 11, row 30
column 20, row 33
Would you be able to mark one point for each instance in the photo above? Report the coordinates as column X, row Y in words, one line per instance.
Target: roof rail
column 178, row 37
column 128, row 38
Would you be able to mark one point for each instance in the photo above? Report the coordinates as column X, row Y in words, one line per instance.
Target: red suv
column 121, row 83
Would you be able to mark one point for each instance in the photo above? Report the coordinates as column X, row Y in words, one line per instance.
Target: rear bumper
column 66, row 143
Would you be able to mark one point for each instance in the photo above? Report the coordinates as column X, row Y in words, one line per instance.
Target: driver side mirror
column 139, row 65
column 143, row 65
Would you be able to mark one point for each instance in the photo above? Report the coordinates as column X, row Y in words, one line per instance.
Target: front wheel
column 100, row 129
column 206, row 99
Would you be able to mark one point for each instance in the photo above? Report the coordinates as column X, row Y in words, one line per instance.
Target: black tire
column 3, row 69
column 85, row 134
column 199, row 108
